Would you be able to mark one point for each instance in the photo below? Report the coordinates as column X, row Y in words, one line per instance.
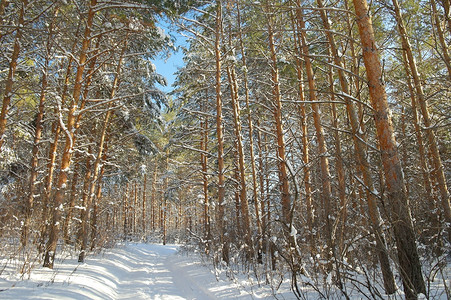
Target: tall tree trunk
column 8, row 93
column 37, row 135
column 125, row 208
column 262, row 174
column 164, row 205
column 154, row 197
column 438, row 166
column 219, row 133
column 56, row 130
column 322, row 148
column 277, row 113
column 144, row 208
column 362, row 160
column 69, row 143
column 96, row 202
column 399, row 203
column 84, row 210
column 339, row 167
column 251, row 136
column 72, row 199
column 441, row 38
column 419, row 136
column 304, row 135
column 241, row 159
column 204, row 163
column 100, row 152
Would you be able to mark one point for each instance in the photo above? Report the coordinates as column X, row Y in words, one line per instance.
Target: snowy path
column 136, row 271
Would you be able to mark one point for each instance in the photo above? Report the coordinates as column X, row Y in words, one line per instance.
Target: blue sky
column 168, row 66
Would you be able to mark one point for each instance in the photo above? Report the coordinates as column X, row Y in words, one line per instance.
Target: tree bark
column 277, row 113
column 241, row 159
column 37, row 135
column 438, row 166
column 419, row 136
column 69, row 143
column 441, row 38
column 339, row 165
column 304, row 136
column 251, row 136
column 326, row 192
column 409, row 262
column 204, row 163
column 12, row 71
column 144, row 208
column 360, row 148
column 219, row 132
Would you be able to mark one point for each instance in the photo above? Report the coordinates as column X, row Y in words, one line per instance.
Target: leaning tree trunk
column 37, row 135
column 362, row 160
column 96, row 168
column 419, row 136
column 439, row 170
column 322, row 148
column 12, row 70
column 409, row 261
column 441, row 38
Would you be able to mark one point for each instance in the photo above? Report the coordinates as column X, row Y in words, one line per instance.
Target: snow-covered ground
column 133, row 271
column 152, row 271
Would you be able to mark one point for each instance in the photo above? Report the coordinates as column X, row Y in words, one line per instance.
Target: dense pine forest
column 305, row 138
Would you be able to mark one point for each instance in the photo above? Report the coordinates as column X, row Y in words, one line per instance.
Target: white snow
column 134, row 271
column 150, row 271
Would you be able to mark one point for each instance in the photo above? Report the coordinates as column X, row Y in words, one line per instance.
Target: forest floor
column 133, row 271
column 152, row 271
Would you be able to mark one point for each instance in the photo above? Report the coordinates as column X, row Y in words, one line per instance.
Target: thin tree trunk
column 96, row 166
column 165, row 209
column 416, row 123
column 37, row 136
column 441, row 38
column 277, row 111
column 125, row 212
column 8, row 93
column 241, row 159
column 262, row 174
column 219, row 133
column 69, row 144
column 251, row 137
column 154, row 197
column 339, row 167
column 85, row 195
column 363, row 163
column 135, row 207
column 72, row 199
column 204, row 163
column 56, row 130
column 438, row 166
column 144, row 208
column 96, row 203
column 322, row 148
column 399, row 203
column 304, row 139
